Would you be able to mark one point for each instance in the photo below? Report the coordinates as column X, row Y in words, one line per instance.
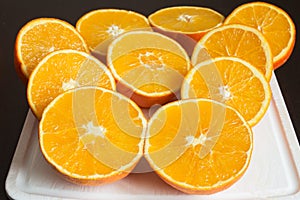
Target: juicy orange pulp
column 186, row 149
column 92, row 135
column 190, row 20
column 237, row 41
column 42, row 36
column 150, row 70
column 100, row 27
column 63, row 70
column 148, row 66
column 273, row 22
column 232, row 81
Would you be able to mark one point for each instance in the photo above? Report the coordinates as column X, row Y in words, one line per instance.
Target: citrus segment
column 239, row 85
column 40, row 37
column 63, row 70
column 273, row 22
column 238, row 41
column 148, row 66
column 100, row 27
column 175, row 139
column 82, row 137
column 190, row 20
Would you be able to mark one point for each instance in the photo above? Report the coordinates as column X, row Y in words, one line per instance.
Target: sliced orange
column 100, row 27
column 239, row 41
column 273, row 22
column 185, row 24
column 232, row 81
column 92, row 135
column 148, row 66
column 189, row 20
column 198, row 146
column 40, row 37
column 63, row 70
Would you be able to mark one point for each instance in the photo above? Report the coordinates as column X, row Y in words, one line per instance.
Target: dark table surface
column 14, row 14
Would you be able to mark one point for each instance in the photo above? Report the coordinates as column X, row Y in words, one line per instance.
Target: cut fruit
column 63, row 70
column 92, row 135
column 189, row 20
column 149, row 67
column 273, row 22
column 232, row 81
column 198, row 146
column 40, row 37
column 100, row 27
column 239, row 41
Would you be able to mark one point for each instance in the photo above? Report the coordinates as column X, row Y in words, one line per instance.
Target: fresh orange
column 63, row 70
column 92, row 135
column 232, row 81
column 189, row 20
column 100, row 27
column 148, row 66
column 239, row 41
column 198, row 146
column 273, row 22
column 40, row 37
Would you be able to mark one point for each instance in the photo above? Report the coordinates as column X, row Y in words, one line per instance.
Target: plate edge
column 11, row 186
column 289, row 131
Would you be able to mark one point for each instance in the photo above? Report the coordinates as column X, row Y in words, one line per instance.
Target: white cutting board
column 272, row 174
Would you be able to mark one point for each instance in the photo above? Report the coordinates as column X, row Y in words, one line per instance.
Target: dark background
column 14, row 14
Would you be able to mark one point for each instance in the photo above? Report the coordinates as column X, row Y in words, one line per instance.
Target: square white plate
column 273, row 172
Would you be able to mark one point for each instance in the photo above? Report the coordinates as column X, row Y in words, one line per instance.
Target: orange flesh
column 245, row 91
column 231, row 43
column 186, row 19
column 109, row 24
column 42, row 39
column 62, row 72
column 225, row 161
column 68, row 144
column 151, row 70
column 272, row 22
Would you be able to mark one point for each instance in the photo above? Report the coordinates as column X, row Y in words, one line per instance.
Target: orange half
column 100, row 27
column 273, row 22
column 189, row 20
column 148, row 66
column 198, row 146
column 41, row 36
column 232, row 81
column 92, row 135
column 61, row 71
column 235, row 40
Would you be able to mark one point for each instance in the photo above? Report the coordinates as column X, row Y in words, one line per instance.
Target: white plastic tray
column 273, row 172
